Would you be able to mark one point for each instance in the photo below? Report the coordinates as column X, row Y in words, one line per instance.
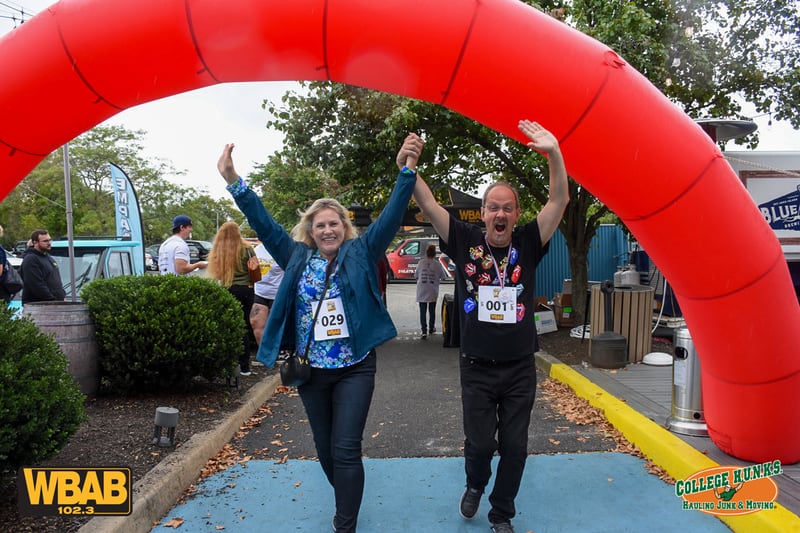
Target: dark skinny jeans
column 337, row 403
column 429, row 309
column 244, row 294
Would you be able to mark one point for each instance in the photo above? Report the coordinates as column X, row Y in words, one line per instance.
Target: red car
column 404, row 258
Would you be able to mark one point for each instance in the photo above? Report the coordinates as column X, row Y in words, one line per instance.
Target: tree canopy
column 38, row 201
column 708, row 57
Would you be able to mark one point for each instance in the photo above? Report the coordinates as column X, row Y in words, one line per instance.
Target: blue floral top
column 333, row 353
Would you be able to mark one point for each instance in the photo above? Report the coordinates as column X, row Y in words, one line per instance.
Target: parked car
column 19, row 248
column 198, row 251
column 14, row 260
column 153, row 251
column 405, row 256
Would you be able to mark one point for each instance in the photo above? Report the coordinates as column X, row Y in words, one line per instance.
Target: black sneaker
column 470, row 502
column 502, row 527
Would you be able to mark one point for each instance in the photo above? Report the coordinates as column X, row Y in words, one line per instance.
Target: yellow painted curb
column 664, row 449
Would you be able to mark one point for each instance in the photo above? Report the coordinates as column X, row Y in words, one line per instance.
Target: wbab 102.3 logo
column 74, row 491
column 730, row 490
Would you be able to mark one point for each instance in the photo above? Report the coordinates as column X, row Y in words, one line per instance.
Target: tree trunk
column 579, row 227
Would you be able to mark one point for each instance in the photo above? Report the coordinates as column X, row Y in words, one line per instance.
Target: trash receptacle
column 451, row 331
column 687, row 397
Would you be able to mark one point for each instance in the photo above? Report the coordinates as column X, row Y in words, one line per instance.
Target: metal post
column 70, row 247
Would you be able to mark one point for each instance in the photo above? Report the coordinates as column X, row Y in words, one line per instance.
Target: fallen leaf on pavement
column 174, row 523
column 578, row 411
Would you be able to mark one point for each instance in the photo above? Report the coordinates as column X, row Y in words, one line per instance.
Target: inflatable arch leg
column 496, row 61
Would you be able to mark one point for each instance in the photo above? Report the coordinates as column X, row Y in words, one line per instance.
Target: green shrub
column 41, row 406
column 158, row 333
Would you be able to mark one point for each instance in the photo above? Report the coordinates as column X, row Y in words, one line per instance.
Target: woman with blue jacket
column 326, row 263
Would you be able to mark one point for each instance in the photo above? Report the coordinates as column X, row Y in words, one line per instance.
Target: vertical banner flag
column 129, row 217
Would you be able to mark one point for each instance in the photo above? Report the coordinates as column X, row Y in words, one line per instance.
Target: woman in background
column 429, row 273
column 227, row 263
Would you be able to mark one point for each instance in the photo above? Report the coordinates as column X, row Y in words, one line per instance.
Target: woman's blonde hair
column 227, row 256
column 302, row 231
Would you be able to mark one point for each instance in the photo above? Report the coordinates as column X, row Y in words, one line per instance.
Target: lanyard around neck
column 500, row 275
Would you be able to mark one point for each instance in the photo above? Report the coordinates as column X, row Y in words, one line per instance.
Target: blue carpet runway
column 587, row 492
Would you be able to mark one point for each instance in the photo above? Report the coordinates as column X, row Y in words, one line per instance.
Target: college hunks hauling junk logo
column 730, row 490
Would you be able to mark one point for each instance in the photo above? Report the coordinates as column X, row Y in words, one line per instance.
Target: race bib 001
column 497, row 304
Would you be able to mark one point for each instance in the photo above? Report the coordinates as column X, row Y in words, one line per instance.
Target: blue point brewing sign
column 783, row 212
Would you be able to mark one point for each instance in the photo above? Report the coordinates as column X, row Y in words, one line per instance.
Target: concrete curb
column 155, row 494
column 659, row 445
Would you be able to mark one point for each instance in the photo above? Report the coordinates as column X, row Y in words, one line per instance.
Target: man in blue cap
column 173, row 254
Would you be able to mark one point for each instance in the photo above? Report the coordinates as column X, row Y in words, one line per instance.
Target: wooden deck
column 648, row 390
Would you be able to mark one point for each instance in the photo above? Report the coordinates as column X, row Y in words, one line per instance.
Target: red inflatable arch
column 496, row 61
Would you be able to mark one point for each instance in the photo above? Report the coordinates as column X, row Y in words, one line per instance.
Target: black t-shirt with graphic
column 479, row 264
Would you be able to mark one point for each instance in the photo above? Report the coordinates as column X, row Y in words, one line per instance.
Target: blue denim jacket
column 367, row 318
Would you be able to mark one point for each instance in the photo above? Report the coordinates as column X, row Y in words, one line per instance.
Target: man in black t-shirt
column 494, row 293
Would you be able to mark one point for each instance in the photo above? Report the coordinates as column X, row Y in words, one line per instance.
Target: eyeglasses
column 494, row 208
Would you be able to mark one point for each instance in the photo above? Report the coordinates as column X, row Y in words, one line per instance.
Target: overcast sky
column 190, row 129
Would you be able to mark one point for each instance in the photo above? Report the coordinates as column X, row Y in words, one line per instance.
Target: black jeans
column 428, row 308
column 497, row 401
column 245, row 295
column 337, row 403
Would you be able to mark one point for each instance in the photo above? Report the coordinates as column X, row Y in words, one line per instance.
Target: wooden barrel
column 72, row 328
column 632, row 307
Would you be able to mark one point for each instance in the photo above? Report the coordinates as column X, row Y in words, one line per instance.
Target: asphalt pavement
column 414, row 466
column 415, row 412
column 413, row 459
column 413, row 445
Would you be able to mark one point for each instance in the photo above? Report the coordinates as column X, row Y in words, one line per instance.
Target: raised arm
column 275, row 239
column 225, row 165
column 553, row 211
column 438, row 215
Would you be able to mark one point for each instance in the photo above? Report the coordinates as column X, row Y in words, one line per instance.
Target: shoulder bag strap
column 319, row 306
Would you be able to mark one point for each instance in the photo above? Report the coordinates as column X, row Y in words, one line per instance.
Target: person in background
column 40, row 275
column 329, row 269
column 265, row 291
column 494, row 293
column 173, row 254
column 227, row 263
column 429, row 274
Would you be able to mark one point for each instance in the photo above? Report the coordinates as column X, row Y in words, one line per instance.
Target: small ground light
column 166, row 417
